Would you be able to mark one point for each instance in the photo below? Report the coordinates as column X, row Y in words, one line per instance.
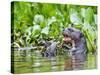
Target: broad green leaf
column 89, row 17
column 45, row 30
column 74, row 17
column 36, row 27
column 38, row 18
column 83, row 12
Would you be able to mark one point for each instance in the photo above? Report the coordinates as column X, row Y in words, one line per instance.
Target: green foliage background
column 31, row 22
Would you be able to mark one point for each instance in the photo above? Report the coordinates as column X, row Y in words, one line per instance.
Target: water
column 32, row 61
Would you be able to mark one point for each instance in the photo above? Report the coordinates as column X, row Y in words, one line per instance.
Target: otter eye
column 70, row 29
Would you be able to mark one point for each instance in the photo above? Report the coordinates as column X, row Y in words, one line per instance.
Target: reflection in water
column 53, row 64
column 75, row 63
column 36, row 63
column 68, row 64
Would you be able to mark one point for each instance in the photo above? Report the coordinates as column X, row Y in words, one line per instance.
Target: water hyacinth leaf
column 51, row 20
column 36, row 27
column 45, row 30
column 29, row 31
column 36, row 30
column 38, row 18
column 43, row 24
column 89, row 17
column 91, row 30
column 95, row 18
column 86, row 26
column 90, row 39
column 74, row 17
column 83, row 12
column 36, row 33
